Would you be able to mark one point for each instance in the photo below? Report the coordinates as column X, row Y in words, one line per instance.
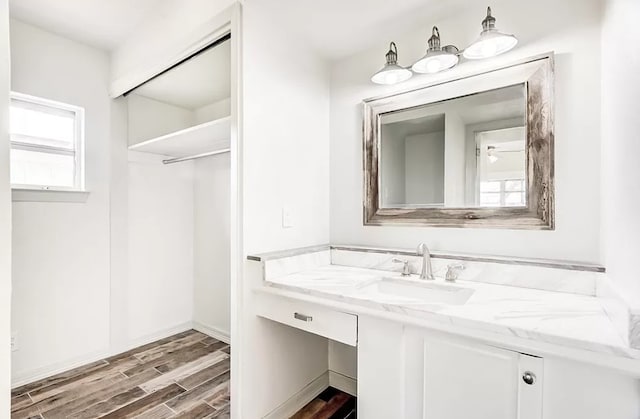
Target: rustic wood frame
column 537, row 75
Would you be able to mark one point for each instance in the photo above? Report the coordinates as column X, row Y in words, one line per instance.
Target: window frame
column 78, row 142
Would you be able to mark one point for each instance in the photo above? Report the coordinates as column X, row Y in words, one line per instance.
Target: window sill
column 48, row 195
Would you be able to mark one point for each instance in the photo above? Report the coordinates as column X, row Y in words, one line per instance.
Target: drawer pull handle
column 302, row 317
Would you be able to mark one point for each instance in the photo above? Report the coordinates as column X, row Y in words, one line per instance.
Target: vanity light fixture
column 391, row 73
column 491, row 41
column 436, row 59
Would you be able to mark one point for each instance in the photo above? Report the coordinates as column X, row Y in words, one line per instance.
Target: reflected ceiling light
column 491, row 42
column 436, row 59
column 391, row 73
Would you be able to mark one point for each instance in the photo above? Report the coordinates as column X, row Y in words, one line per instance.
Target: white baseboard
column 214, row 332
column 301, row 398
column 343, row 383
column 151, row 337
column 57, row 368
column 47, row 371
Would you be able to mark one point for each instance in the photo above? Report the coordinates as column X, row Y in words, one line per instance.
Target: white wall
column 285, row 163
column 286, row 149
column 572, row 30
column 119, row 225
column 211, row 243
column 392, row 167
column 61, row 250
column 161, row 224
column 343, row 359
column 213, row 111
column 150, row 118
column 620, row 145
column 5, row 215
column 425, row 179
column 454, row 160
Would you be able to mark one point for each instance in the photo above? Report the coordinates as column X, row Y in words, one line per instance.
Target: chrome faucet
column 427, row 271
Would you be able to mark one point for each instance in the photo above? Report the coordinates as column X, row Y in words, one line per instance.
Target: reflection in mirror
column 468, row 151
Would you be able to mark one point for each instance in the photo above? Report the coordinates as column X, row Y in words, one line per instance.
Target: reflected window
column 503, row 193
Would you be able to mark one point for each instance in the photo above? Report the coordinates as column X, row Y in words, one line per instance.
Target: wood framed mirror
column 471, row 152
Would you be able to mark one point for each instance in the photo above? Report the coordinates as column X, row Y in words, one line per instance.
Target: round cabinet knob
column 529, row 378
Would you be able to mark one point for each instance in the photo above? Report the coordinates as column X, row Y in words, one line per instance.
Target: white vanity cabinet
column 414, row 373
column 406, row 370
column 410, row 373
column 453, row 379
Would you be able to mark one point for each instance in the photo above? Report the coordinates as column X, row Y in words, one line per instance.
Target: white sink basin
column 414, row 292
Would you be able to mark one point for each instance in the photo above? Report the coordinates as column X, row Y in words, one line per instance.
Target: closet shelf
column 203, row 138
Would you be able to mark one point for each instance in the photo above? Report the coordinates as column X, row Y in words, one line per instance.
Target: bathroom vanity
column 507, row 339
column 459, row 336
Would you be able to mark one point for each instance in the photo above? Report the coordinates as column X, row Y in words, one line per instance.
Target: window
column 502, row 193
column 46, row 144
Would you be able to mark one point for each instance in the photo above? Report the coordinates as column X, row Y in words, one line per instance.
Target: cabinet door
column 457, row 378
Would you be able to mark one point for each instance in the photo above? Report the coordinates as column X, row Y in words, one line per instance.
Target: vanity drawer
column 313, row 318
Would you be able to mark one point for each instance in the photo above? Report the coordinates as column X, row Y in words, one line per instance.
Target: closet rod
column 197, row 156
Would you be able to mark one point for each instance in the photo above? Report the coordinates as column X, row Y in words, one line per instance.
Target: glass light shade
column 391, row 74
column 435, row 62
column 490, row 44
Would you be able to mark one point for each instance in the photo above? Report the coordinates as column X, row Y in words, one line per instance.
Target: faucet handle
column 453, row 270
column 406, row 269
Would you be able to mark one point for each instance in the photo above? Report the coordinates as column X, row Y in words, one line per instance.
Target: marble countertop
column 570, row 320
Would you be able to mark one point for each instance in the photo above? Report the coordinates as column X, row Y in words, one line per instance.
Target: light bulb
column 435, row 63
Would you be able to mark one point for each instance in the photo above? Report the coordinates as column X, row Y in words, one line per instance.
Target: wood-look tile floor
column 330, row 404
column 183, row 376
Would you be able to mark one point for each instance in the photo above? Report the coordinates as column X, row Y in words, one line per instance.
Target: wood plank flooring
column 182, row 376
column 330, row 404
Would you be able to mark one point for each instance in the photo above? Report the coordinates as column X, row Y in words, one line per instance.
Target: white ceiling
column 338, row 28
column 202, row 80
column 333, row 28
column 103, row 24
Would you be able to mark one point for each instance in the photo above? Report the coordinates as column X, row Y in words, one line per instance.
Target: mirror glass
column 468, row 151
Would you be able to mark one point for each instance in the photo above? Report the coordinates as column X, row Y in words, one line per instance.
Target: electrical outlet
column 14, row 342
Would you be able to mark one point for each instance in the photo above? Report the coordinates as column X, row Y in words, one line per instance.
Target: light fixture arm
column 434, row 44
